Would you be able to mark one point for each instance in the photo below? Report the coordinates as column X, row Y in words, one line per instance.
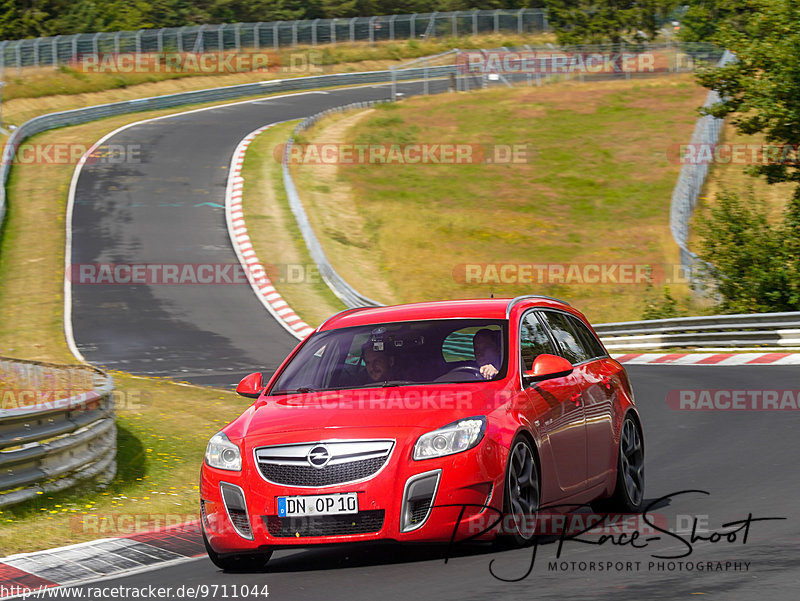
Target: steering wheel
column 463, row 369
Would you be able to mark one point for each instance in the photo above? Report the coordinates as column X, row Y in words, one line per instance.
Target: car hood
column 401, row 406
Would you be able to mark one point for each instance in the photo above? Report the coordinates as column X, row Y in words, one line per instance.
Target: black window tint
column 568, row 339
column 533, row 340
column 590, row 343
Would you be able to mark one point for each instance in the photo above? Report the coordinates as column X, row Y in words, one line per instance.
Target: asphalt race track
column 155, row 211
column 747, row 461
column 145, row 213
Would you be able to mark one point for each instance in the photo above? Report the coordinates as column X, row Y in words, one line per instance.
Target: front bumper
column 400, row 502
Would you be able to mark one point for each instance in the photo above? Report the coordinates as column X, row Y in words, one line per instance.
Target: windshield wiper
column 391, row 383
column 302, row 390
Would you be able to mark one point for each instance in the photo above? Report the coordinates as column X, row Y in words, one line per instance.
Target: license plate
column 341, row 503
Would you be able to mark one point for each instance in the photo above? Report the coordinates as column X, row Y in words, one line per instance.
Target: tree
column 761, row 89
column 703, row 18
column 761, row 94
column 752, row 269
column 603, row 21
column 10, row 19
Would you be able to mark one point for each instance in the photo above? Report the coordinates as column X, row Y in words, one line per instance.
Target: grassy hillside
column 596, row 190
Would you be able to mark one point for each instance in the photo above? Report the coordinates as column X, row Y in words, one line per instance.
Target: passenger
column 486, row 345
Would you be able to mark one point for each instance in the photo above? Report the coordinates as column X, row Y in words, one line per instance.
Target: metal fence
column 56, row 428
column 690, row 184
column 776, row 330
column 273, row 35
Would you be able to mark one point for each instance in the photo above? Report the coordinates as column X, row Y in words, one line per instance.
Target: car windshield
column 398, row 354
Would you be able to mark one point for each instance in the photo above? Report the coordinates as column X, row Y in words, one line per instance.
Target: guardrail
column 269, row 35
column 741, row 330
column 56, row 428
column 690, row 183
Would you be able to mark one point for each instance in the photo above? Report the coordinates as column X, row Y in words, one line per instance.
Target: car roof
column 474, row 308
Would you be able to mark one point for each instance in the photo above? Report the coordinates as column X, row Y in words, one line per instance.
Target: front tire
column 244, row 562
column 522, row 494
column 628, row 494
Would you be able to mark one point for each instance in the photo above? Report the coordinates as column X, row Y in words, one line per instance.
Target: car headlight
column 222, row 454
column 452, row 438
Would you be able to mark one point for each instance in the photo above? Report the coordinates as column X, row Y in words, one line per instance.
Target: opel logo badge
column 318, row 456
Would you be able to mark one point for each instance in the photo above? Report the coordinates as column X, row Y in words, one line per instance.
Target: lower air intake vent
column 233, row 498
column 203, row 513
column 418, row 499
column 363, row 522
column 241, row 522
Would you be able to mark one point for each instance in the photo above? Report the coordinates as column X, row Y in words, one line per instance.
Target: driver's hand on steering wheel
column 488, row 371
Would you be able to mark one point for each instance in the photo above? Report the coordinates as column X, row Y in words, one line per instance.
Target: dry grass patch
column 733, row 177
column 334, row 214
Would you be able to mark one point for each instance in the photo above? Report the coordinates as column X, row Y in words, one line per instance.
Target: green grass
column 597, row 189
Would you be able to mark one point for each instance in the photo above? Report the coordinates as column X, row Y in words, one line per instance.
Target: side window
column 591, row 343
column 568, row 339
column 533, row 340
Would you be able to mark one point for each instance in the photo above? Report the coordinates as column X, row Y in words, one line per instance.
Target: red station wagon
column 410, row 422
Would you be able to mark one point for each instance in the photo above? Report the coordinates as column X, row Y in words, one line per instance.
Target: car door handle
column 576, row 398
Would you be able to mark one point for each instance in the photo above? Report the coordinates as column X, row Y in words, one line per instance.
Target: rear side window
column 568, row 338
column 533, row 340
column 589, row 340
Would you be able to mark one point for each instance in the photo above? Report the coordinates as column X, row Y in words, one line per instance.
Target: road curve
column 747, row 461
column 161, row 210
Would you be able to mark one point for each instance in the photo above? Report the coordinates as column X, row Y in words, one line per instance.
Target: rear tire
column 628, row 494
column 243, row 562
column 522, row 494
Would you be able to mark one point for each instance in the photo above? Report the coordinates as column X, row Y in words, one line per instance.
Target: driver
column 486, row 345
column 379, row 363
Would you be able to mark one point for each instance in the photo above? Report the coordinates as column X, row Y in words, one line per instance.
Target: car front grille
column 347, row 461
column 363, row 522
column 304, row 475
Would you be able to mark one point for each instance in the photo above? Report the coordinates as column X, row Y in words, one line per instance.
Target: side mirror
column 251, row 386
column 546, row 367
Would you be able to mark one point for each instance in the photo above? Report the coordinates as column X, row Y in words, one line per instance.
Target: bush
column 664, row 307
column 754, row 264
